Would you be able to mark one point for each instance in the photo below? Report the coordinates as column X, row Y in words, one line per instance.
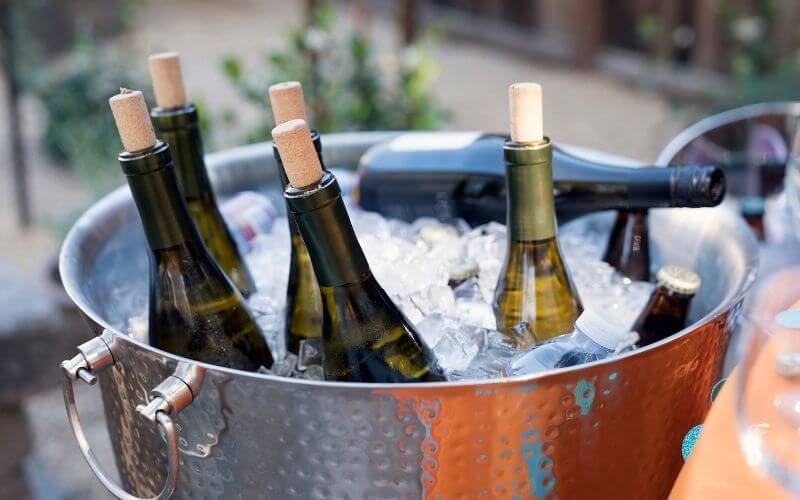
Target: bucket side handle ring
column 168, row 398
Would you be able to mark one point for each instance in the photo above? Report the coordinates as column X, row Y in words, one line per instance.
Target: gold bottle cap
column 678, row 279
column 462, row 269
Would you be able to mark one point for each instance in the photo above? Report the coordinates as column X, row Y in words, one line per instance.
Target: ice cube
column 402, row 230
column 285, row 366
column 409, row 308
column 476, row 312
column 468, row 290
column 432, row 329
column 272, row 326
column 314, row 372
column 437, row 233
column 455, row 351
column 436, row 299
column 454, row 344
column 489, row 363
column 310, row 354
column 370, row 223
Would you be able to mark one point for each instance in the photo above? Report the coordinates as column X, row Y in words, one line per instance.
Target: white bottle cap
column 600, row 329
column 678, row 279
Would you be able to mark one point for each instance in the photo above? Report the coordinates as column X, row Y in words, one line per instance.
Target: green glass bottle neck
column 329, row 236
column 293, row 229
column 180, row 128
column 154, row 186
column 529, row 181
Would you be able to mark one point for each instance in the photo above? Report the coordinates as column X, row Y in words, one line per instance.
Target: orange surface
column 716, row 468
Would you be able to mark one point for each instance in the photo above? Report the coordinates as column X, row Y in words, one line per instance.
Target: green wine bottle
column 535, row 290
column 195, row 310
column 177, row 124
column 365, row 337
column 303, row 318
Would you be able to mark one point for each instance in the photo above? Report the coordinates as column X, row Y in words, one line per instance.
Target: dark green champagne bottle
column 365, row 337
column 177, row 124
column 461, row 175
column 195, row 310
column 535, row 289
column 303, row 318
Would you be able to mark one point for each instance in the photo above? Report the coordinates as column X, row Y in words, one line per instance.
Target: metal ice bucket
column 609, row 429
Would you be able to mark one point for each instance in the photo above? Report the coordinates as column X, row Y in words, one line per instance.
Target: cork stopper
column 165, row 72
column 525, row 109
column 133, row 120
column 678, row 279
column 287, row 102
column 293, row 140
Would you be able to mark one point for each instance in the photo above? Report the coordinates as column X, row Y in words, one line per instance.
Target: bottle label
column 433, row 141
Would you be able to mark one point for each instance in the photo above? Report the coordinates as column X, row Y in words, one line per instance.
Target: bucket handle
column 168, row 398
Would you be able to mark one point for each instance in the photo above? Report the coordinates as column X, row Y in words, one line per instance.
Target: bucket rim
column 687, row 135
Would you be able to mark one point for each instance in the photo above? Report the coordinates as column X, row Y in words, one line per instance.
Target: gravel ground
column 579, row 107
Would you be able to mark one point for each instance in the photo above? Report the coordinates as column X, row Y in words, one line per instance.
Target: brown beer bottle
column 752, row 209
column 628, row 249
column 665, row 312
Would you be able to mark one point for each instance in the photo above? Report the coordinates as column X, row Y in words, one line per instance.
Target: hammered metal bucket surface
column 609, row 429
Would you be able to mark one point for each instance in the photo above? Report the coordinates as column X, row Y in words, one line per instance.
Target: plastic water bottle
column 595, row 337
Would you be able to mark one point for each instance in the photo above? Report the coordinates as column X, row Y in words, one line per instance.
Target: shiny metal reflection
column 610, row 429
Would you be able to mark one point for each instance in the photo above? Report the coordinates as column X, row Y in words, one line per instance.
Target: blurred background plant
column 72, row 91
column 79, row 132
column 345, row 87
column 754, row 49
column 759, row 70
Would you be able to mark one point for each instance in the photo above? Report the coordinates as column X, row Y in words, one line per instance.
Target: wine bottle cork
column 133, row 120
column 287, row 102
column 300, row 160
column 165, row 72
column 525, row 109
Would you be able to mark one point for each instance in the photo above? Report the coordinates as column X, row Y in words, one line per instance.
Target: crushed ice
column 411, row 262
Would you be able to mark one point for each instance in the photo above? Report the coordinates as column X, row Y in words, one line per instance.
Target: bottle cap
column 678, row 279
column 462, row 268
column 601, row 329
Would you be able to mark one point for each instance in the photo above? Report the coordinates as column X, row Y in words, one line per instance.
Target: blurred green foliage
column 751, row 56
column 344, row 87
column 72, row 87
column 758, row 73
column 79, row 131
